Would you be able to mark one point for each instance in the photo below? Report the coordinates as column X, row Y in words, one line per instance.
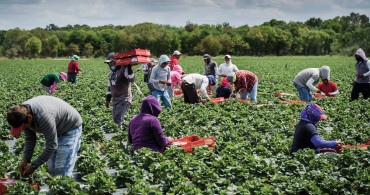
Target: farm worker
column 361, row 84
column 119, row 87
column 61, row 126
column 175, row 80
column 224, row 90
column 145, row 130
column 328, row 88
column 306, row 134
column 161, row 79
column 307, row 79
column 178, row 69
column 73, row 69
column 147, row 69
column 192, row 82
column 227, row 68
column 210, row 68
column 246, row 82
column 174, row 59
column 50, row 81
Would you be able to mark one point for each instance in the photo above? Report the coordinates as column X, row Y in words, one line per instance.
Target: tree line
column 337, row 36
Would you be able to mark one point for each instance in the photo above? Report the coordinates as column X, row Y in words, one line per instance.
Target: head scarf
column 312, row 113
column 225, row 83
column 63, row 75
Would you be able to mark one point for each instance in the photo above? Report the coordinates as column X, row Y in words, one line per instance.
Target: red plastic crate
column 317, row 95
column 217, row 100
column 178, row 93
column 133, row 52
column 278, row 94
column 292, row 102
column 132, row 60
column 6, row 182
column 246, row 100
column 188, row 142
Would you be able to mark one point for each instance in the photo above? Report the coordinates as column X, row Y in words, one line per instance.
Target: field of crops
column 251, row 154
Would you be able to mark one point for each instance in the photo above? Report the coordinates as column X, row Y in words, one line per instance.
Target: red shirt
column 73, row 67
column 173, row 62
column 331, row 87
column 245, row 80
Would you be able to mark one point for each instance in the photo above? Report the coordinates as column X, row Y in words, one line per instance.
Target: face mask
column 113, row 67
column 358, row 59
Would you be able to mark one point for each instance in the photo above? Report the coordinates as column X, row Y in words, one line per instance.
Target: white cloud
column 28, row 14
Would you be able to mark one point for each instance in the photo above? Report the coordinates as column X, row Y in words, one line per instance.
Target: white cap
column 177, row 53
column 228, row 56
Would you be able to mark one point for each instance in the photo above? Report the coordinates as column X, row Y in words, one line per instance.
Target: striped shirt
column 52, row 117
column 245, row 80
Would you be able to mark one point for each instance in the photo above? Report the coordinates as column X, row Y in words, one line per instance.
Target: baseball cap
column 16, row 119
column 206, row 56
column 231, row 78
column 110, row 58
column 176, row 53
column 228, row 56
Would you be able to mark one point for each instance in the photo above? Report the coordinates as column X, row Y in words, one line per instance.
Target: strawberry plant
column 252, row 149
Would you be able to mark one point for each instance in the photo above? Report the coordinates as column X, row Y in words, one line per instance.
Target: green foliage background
column 340, row 35
column 252, row 143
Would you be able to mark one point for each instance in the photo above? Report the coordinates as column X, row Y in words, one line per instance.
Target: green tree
column 73, row 49
column 209, row 45
column 33, row 46
column 123, row 42
column 88, row 50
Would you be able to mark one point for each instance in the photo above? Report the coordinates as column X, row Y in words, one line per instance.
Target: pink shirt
column 178, row 69
column 175, row 78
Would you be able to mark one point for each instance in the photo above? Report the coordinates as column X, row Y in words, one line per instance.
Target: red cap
column 16, row 131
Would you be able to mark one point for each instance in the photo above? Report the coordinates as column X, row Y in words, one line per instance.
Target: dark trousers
column 71, row 77
column 358, row 88
column 190, row 94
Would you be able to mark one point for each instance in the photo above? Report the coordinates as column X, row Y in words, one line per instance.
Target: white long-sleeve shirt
column 199, row 81
column 227, row 69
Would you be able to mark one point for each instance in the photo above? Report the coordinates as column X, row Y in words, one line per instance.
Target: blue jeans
column 162, row 95
column 170, row 92
column 304, row 93
column 71, row 77
column 150, row 87
column 253, row 93
column 63, row 159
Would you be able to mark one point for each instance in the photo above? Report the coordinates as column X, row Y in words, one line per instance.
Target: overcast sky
column 29, row 14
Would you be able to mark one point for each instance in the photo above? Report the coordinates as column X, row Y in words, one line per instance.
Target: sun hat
column 176, row 53
column 75, row 58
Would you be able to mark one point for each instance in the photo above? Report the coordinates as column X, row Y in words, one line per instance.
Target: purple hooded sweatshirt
column 145, row 129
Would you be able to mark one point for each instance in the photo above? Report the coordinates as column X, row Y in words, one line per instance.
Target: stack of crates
column 133, row 57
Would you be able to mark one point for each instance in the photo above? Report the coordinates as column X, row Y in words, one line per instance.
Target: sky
column 30, row 14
